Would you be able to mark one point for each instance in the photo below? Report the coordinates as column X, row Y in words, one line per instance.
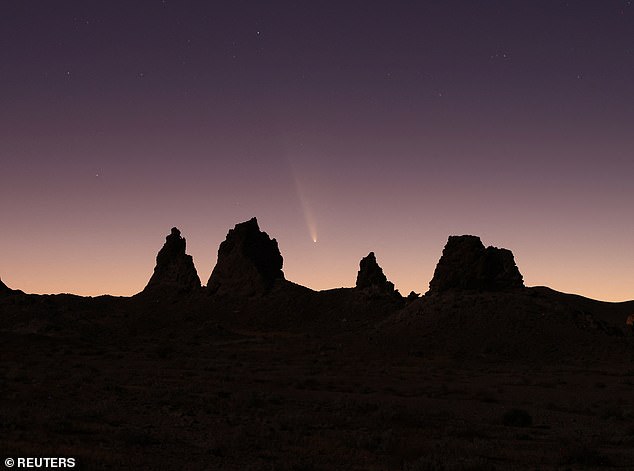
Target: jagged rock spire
column 249, row 262
column 175, row 270
column 371, row 277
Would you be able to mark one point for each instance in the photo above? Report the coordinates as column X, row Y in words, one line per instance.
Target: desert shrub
column 517, row 418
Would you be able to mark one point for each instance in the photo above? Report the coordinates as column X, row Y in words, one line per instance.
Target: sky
column 345, row 127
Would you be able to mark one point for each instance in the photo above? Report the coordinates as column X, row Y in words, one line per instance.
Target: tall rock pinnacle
column 174, row 269
column 249, row 262
column 467, row 265
column 371, row 278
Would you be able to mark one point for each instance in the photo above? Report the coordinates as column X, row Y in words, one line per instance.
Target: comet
column 309, row 218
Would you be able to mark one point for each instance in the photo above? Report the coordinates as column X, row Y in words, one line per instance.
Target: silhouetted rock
column 467, row 265
column 630, row 321
column 249, row 262
column 175, row 271
column 371, row 278
column 4, row 288
column 412, row 296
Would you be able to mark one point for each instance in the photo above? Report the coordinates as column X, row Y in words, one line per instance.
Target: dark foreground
column 319, row 381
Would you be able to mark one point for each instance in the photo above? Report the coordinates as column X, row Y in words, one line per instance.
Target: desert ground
column 299, row 380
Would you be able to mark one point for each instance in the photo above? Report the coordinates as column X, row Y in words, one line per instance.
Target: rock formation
column 4, row 288
column 467, row 265
column 371, row 278
column 412, row 296
column 175, row 271
column 249, row 262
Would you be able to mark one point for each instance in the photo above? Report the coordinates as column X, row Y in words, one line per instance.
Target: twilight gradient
column 383, row 126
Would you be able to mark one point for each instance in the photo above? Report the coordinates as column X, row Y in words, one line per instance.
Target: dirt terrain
column 299, row 380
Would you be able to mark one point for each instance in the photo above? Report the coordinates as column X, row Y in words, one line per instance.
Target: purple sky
column 383, row 126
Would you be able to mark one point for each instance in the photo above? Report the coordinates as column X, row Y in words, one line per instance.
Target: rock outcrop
column 412, row 296
column 4, row 288
column 249, row 262
column 175, row 270
column 371, row 277
column 467, row 265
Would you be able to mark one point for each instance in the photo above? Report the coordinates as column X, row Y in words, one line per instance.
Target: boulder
column 249, row 262
column 467, row 265
column 175, row 270
column 370, row 277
